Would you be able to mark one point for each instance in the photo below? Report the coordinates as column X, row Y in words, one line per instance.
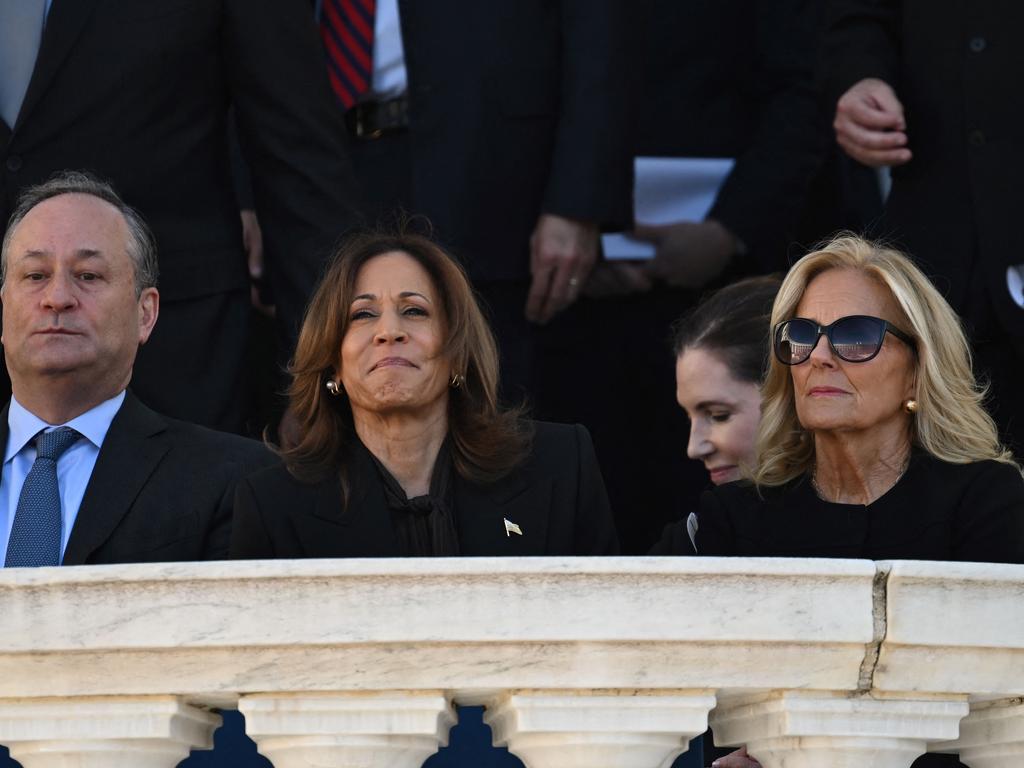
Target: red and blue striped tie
column 347, row 30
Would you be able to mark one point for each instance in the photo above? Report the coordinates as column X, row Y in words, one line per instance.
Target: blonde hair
column 488, row 440
column 951, row 423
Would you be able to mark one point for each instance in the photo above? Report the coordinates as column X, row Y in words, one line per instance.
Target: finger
column 867, row 113
column 564, row 287
column 874, row 157
column 536, row 299
column 649, row 232
column 656, row 269
column 869, row 138
column 633, row 278
column 885, row 99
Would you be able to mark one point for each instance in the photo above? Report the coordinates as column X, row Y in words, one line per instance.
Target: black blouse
column 936, row 511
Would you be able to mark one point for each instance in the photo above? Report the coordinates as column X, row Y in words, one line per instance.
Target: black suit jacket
column 516, row 107
column 138, row 92
column 556, row 497
column 161, row 490
column 955, row 66
column 735, row 78
column 936, row 511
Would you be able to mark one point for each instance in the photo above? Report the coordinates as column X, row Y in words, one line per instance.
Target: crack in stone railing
column 879, row 600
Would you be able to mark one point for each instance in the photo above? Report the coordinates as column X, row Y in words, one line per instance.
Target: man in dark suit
column 930, row 88
column 504, row 122
column 139, row 94
column 90, row 474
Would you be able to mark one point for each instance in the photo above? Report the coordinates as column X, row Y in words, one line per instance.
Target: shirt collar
column 93, row 424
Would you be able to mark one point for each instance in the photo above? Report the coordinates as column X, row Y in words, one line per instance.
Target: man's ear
column 149, row 310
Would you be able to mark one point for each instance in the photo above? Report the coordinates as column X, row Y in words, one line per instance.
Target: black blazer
column 516, row 107
column 937, row 511
column 734, row 78
column 161, row 490
column 556, row 497
column 138, row 92
column 955, row 66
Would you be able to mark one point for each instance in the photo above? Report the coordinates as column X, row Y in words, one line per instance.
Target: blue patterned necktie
column 36, row 533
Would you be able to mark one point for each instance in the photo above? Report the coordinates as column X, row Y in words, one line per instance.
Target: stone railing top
column 471, row 625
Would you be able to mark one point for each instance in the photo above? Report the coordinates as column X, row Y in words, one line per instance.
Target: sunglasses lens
column 794, row 340
column 857, row 338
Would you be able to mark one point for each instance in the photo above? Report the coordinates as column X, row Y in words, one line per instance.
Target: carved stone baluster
column 992, row 736
column 798, row 729
column 598, row 729
column 396, row 729
column 104, row 732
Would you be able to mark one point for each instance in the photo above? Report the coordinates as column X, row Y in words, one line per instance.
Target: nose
column 59, row 295
column 699, row 446
column 822, row 354
column 389, row 329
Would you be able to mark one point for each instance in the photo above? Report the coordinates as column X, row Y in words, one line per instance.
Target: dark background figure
column 508, row 131
column 930, row 87
column 139, row 94
column 718, row 79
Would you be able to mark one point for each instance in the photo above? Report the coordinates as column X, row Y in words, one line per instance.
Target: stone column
column 104, row 732
column 798, row 729
column 992, row 736
column 397, row 729
column 598, row 729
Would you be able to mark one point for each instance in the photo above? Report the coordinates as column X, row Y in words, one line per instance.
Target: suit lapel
column 132, row 449
column 63, row 26
column 483, row 510
column 362, row 529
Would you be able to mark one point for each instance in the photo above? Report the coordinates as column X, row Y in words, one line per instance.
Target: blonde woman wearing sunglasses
column 874, row 441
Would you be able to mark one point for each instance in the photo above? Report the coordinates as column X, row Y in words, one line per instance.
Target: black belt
column 370, row 120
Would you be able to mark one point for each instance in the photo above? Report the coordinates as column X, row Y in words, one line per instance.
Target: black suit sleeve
column 594, row 524
column 675, row 540
column 250, row 539
column 591, row 163
column 764, row 195
column 291, row 135
column 862, row 39
column 989, row 522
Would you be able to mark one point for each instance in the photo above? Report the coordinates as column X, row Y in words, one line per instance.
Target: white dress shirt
column 389, row 77
column 74, row 468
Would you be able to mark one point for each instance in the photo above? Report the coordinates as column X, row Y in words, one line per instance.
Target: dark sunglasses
column 855, row 339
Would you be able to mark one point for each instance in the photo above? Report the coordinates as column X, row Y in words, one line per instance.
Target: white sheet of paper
column 668, row 189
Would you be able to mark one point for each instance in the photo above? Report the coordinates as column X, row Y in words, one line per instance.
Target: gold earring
column 910, row 406
column 456, row 381
column 332, row 387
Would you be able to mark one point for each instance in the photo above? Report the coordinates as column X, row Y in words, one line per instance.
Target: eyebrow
column 705, row 404
column 81, row 253
column 402, row 295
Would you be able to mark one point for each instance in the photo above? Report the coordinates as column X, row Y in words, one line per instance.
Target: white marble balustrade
column 581, row 662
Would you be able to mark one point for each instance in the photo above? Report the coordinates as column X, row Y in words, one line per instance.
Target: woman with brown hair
column 400, row 447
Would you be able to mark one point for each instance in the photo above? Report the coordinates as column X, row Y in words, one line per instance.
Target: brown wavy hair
column 487, row 439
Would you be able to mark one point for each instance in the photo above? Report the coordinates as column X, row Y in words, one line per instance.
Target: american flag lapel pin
column 511, row 528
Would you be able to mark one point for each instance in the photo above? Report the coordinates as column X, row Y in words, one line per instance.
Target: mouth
column 722, row 474
column 392, row 362
column 826, row 392
column 57, row 332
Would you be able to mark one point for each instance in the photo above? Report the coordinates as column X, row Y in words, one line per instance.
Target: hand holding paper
column 688, row 254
